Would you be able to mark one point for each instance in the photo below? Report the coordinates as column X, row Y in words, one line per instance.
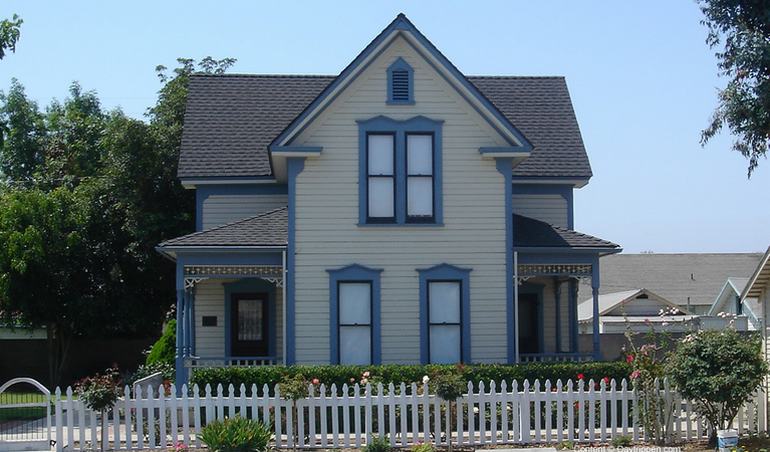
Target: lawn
column 21, row 413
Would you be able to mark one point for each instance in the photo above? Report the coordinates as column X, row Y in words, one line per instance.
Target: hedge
column 396, row 373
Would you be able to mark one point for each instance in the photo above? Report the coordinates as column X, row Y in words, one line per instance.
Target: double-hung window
column 381, row 177
column 419, row 177
column 355, row 322
column 445, row 321
column 400, row 171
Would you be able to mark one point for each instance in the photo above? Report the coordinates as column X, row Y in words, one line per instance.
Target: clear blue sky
column 641, row 77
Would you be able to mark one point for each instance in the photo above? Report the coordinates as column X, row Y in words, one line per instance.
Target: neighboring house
column 756, row 294
column 690, row 280
column 399, row 212
column 639, row 310
column 729, row 301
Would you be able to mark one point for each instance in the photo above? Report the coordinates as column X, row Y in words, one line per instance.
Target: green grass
column 25, row 413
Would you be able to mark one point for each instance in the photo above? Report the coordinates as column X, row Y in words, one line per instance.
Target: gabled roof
column 610, row 301
column 268, row 229
column 760, row 279
column 403, row 27
column 675, row 277
column 732, row 288
column 531, row 233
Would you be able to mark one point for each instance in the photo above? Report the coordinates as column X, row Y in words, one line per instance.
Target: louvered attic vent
column 400, row 80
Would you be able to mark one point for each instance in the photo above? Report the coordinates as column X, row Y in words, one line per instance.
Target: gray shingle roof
column 231, row 119
column 266, row 229
column 528, row 232
column 675, row 277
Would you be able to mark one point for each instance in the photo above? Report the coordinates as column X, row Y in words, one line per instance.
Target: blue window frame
column 400, row 83
column 445, row 329
column 415, row 175
column 354, row 301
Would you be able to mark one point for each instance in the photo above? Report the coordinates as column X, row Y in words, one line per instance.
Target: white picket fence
column 488, row 415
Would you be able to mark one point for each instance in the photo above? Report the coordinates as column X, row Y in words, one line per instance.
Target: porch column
column 557, row 302
column 595, row 291
column 573, row 322
column 181, row 370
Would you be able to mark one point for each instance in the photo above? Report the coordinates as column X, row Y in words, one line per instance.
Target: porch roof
column 531, row 233
column 263, row 230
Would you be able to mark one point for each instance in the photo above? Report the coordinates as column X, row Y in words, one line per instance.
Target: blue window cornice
column 354, row 273
column 417, row 124
column 446, row 272
column 400, row 83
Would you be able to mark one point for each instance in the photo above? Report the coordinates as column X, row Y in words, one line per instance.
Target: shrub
column 566, row 445
column 719, row 370
column 99, row 392
column 378, row 444
column 621, row 441
column 423, row 447
column 396, row 373
column 164, row 349
column 236, row 434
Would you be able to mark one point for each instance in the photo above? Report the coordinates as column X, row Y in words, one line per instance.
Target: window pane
column 381, row 197
column 355, row 303
column 445, row 344
column 420, row 196
column 355, row 345
column 249, row 320
column 444, row 300
column 419, row 150
column 381, row 154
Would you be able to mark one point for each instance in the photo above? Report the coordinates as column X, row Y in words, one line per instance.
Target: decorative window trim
column 251, row 286
column 354, row 273
column 446, row 272
column 416, row 125
column 400, row 65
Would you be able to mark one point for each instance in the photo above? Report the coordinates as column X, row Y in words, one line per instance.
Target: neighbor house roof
column 531, row 233
column 697, row 277
column 610, row 301
column 264, row 230
column 231, row 119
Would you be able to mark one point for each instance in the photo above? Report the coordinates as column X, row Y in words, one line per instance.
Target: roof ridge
column 256, row 75
column 516, row 77
column 221, row 226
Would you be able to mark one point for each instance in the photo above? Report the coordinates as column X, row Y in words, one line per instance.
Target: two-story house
column 400, row 212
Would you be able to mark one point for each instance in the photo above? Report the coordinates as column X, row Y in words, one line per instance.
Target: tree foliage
column 86, row 196
column 740, row 30
column 719, row 370
column 10, row 31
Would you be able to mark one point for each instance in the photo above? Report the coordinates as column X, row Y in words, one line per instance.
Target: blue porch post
column 181, row 328
column 557, row 302
column 595, row 292
column 573, row 322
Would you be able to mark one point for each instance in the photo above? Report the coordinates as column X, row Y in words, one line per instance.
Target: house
column 756, row 296
column 638, row 310
column 399, row 212
column 729, row 301
column 690, row 280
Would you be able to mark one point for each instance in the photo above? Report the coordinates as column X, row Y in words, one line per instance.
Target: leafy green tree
column 720, row 371
column 22, row 134
column 740, row 30
column 9, row 34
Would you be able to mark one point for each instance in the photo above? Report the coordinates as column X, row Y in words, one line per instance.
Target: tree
column 719, row 370
column 9, row 34
column 22, row 134
column 740, row 29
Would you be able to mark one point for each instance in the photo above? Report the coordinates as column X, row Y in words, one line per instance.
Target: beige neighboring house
column 729, row 301
column 637, row 309
column 756, row 294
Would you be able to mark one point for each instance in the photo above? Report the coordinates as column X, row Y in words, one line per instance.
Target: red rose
column 580, row 376
column 316, row 381
column 630, row 359
column 606, row 380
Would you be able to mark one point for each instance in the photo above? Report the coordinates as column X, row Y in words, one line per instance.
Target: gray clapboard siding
column 327, row 213
column 551, row 208
column 219, row 209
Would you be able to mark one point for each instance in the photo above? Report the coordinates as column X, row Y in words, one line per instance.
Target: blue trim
column 354, row 273
column 202, row 193
column 298, row 149
column 573, row 322
column 513, row 150
column 401, row 24
column 445, row 272
column 557, row 303
column 595, row 293
column 294, row 168
column 417, row 124
column 563, row 190
column 251, row 285
column 505, row 167
column 182, row 375
column 224, row 258
column 401, row 65
column 537, row 289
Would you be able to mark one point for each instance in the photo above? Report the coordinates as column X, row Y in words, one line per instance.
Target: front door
column 249, row 325
column 529, row 323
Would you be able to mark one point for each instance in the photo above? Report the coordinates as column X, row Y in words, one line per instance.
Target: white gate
column 25, row 415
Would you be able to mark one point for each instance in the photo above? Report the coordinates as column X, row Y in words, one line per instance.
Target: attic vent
column 400, row 83
column 400, row 86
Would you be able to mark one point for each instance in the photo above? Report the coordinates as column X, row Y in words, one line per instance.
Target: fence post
column 58, row 419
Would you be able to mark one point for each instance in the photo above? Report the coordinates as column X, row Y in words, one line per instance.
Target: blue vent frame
column 400, row 83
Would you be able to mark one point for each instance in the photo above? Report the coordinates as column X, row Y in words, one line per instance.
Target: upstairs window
column 381, row 178
column 419, row 178
column 400, row 83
